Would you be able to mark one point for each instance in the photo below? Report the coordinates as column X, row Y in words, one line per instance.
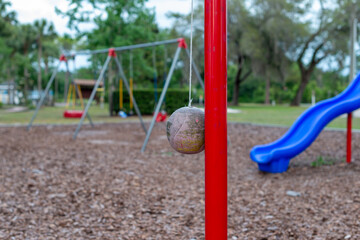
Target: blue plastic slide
column 275, row 157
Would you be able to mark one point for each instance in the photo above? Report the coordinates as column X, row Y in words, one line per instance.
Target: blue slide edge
column 275, row 157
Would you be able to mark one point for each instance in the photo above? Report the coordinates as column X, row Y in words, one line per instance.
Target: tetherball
column 186, row 130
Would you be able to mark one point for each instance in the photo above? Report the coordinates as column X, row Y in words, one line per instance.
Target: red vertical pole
column 215, row 120
column 348, row 142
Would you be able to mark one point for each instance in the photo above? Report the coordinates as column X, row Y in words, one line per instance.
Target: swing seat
column 161, row 117
column 73, row 113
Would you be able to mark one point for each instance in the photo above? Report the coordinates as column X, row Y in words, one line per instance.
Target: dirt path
column 101, row 187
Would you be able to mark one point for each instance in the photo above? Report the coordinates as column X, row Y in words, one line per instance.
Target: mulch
column 101, row 187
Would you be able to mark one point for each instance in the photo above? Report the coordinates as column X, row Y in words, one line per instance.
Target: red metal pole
column 215, row 120
column 348, row 143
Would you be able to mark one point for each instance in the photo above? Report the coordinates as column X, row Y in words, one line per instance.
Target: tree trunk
column 237, row 87
column 8, row 81
column 267, row 90
column 39, row 65
column 300, row 91
column 46, row 70
column 26, row 73
column 56, row 95
column 26, row 82
column 13, row 83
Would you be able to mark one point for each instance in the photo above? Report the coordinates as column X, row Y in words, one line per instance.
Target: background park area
column 288, row 62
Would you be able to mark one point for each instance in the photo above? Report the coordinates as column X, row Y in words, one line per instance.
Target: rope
column 131, row 65
column 191, row 39
column 154, row 60
column 165, row 63
column 131, row 80
column 155, row 74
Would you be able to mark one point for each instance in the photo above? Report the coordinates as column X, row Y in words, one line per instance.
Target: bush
column 145, row 99
column 1, row 104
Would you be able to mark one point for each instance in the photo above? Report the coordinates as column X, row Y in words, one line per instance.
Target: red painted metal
column 62, row 58
column 182, row 43
column 73, row 113
column 112, row 52
column 215, row 120
column 348, row 142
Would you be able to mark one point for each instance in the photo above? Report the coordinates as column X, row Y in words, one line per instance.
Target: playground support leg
column 348, row 143
column 196, row 70
column 43, row 95
column 215, row 120
column 101, row 76
column 162, row 96
column 121, row 95
column 66, row 84
column 131, row 93
column 82, row 103
column 122, row 75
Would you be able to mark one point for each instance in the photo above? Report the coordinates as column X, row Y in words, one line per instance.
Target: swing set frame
column 112, row 54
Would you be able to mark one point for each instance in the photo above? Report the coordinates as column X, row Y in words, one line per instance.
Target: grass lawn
column 51, row 115
column 250, row 113
column 279, row 115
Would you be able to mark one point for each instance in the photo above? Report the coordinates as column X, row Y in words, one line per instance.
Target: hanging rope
column 131, row 65
column 74, row 66
column 165, row 63
column 155, row 74
column 191, row 53
column 121, row 97
column 131, row 80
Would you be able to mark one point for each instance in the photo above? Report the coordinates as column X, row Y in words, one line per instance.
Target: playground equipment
column 185, row 130
column 275, row 157
column 71, row 98
column 155, row 75
column 161, row 117
column 215, row 120
column 131, row 83
column 46, row 91
column 122, row 112
column 73, row 113
column 112, row 55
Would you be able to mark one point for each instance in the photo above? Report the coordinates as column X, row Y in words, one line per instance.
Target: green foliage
column 145, row 100
column 1, row 104
column 121, row 23
column 320, row 161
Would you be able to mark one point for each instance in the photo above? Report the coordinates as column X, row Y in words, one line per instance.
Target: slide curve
column 275, row 157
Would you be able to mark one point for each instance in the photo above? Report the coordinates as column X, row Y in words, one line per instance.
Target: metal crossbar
column 124, row 48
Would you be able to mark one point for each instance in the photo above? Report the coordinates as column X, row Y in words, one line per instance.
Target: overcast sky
column 30, row 10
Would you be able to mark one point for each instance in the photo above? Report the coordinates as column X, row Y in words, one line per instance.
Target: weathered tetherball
column 186, row 130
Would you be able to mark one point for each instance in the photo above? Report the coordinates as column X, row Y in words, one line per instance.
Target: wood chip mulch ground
column 101, row 187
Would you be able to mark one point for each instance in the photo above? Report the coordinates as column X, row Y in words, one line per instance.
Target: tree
column 27, row 38
column 7, row 29
column 180, row 27
column 268, row 37
column 44, row 31
column 239, row 23
column 328, row 39
column 121, row 22
column 50, row 52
